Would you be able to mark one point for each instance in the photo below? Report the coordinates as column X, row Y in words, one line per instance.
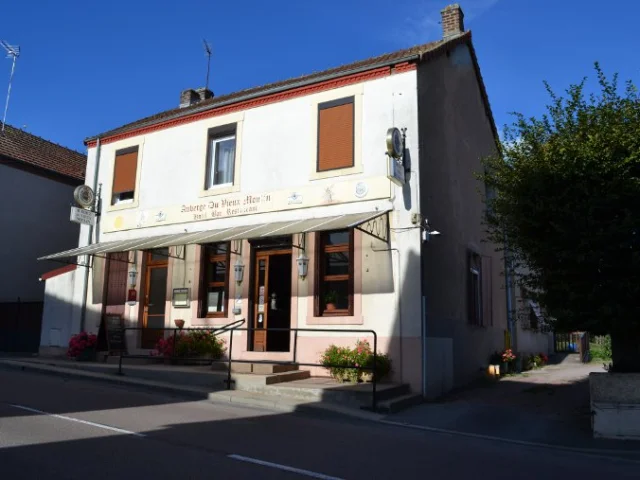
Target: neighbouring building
column 37, row 179
column 286, row 205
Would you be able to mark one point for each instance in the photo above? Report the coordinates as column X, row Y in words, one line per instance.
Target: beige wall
column 455, row 133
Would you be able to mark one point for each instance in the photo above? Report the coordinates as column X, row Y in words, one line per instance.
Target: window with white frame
column 221, row 157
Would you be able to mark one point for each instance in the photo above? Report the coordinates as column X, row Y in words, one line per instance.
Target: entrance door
column 272, row 301
column 155, row 296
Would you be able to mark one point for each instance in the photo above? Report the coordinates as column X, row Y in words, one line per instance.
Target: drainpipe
column 507, row 279
column 85, row 290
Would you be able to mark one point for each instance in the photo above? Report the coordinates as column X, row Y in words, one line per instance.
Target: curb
column 598, row 452
column 229, row 397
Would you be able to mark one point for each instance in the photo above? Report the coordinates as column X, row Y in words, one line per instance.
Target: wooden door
column 154, row 299
column 261, row 295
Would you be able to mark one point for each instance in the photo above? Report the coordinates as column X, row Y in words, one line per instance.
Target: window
column 214, row 290
column 334, row 280
column 474, row 297
column 124, row 176
column 221, row 159
column 335, row 134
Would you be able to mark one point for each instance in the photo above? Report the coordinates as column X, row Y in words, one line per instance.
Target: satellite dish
column 84, row 196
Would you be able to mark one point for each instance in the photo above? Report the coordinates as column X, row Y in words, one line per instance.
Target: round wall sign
column 361, row 189
column 84, row 196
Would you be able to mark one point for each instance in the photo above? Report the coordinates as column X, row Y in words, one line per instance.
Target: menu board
column 114, row 330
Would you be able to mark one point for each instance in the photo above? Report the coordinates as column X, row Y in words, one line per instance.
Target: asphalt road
column 57, row 428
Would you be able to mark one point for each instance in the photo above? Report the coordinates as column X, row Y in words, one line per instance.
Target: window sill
column 123, row 206
column 220, row 190
column 336, row 320
column 338, row 172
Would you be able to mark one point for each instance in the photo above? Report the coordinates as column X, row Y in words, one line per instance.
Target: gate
column 20, row 324
column 573, row 342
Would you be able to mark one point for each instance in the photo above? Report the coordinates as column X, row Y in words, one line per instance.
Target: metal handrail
column 231, row 328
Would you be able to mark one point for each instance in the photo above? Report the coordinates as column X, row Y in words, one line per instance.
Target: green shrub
column 337, row 359
column 600, row 348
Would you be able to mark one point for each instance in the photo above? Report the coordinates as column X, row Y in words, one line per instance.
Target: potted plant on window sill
column 330, row 300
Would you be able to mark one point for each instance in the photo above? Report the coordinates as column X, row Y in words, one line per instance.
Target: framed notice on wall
column 180, row 298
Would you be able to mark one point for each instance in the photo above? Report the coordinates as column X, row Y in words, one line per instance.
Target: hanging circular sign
column 395, row 147
column 84, row 196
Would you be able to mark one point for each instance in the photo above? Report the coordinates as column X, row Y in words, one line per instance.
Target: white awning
column 222, row 235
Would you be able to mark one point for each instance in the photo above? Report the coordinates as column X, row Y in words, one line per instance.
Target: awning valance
column 351, row 220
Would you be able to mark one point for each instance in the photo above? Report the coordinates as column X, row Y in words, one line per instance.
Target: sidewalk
column 549, row 406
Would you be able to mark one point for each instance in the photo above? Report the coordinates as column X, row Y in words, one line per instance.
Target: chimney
column 452, row 21
column 191, row 97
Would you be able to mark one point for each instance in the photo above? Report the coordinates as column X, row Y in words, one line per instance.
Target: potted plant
column 82, row 347
column 330, row 300
column 508, row 357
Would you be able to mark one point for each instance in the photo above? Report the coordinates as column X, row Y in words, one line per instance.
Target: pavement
column 548, row 407
column 59, row 427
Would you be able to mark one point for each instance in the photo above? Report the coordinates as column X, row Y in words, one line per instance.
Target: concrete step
column 397, row 404
column 256, row 383
column 257, row 368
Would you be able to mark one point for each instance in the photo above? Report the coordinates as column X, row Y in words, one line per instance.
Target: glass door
column 261, row 295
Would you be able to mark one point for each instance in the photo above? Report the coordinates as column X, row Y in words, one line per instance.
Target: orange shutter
column 124, row 172
column 335, row 137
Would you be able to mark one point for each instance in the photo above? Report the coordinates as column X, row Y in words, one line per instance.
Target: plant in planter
column 337, row 359
column 508, row 359
column 330, row 299
column 82, row 346
column 193, row 344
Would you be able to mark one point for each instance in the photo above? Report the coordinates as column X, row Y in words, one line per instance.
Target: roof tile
column 24, row 147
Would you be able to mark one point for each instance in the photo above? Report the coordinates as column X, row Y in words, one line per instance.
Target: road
column 57, row 428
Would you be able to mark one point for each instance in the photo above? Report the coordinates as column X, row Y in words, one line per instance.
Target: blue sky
column 90, row 66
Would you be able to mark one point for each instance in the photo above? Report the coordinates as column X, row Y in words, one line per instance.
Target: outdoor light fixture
column 238, row 269
column 133, row 274
column 303, row 264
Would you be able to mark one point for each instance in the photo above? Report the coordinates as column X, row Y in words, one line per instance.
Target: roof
column 25, row 148
column 399, row 56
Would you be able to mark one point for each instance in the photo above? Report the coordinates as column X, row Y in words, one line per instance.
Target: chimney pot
column 452, row 21
column 191, row 97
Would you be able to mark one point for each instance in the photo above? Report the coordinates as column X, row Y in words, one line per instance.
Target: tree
column 565, row 193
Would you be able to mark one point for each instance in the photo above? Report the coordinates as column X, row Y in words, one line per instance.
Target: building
column 37, row 179
column 221, row 203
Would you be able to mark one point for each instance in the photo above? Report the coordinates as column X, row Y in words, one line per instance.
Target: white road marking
column 77, row 420
column 286, row 468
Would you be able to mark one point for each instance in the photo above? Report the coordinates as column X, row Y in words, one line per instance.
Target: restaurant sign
column 239, row 204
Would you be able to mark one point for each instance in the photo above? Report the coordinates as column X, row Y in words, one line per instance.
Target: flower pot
column 179, row 323
column 367, row 377
column 330, row 307
column 504, row 368
column 87, row 355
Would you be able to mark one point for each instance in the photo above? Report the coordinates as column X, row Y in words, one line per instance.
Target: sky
column 88, row 66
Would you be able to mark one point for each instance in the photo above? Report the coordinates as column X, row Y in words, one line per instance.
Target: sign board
column 180, row 298
column 114, row 331
column 396, row 171
column 82, row 216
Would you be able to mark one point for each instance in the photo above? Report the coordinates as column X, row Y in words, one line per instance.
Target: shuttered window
column 335, row 134
column 124, row 176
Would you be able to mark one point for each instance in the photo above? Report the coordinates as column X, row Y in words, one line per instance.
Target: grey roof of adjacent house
column 27, row 150
column 419, row 52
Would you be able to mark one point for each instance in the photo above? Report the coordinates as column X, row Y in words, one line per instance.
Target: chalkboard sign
column 114, row 329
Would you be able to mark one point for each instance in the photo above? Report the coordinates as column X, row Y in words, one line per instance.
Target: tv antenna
column 13, row 51
column 207, row 52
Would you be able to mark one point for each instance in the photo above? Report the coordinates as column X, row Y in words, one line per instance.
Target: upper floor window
column 334, row 281
column 124, row 176
column 221, row 157
column 336, row 134
column 215, row 280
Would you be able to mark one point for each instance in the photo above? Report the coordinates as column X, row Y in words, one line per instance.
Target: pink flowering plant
column 81, row 342
column 338, row 359
column 191, row 344
column 508, row 356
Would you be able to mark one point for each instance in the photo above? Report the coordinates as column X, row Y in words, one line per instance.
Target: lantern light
column 238, row 269
column 303, row 265
column 133, row 274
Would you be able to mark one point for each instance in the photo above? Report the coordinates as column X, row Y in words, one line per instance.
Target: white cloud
column 424, row 24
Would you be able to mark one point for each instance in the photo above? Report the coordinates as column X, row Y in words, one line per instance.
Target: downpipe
column 85, row 289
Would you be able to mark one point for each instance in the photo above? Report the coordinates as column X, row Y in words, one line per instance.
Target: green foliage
column 600, row 348
column 339, row 359
column 564, row 192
